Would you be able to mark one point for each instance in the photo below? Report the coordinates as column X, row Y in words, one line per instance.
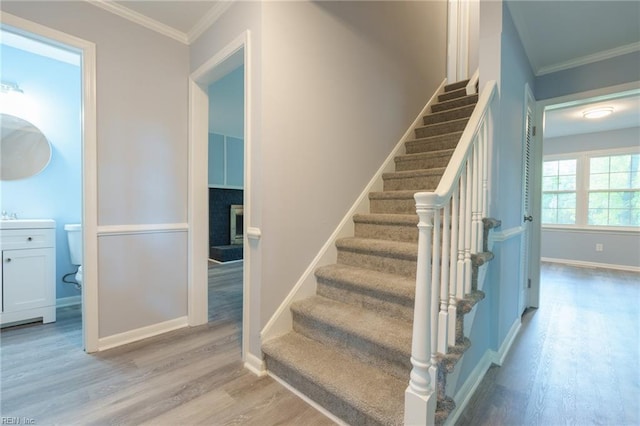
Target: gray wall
column 621, row 248
column 141, row 156
column 610, row 72
column 333, row 90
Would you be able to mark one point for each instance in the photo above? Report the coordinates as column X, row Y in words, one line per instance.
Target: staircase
column 350, row 347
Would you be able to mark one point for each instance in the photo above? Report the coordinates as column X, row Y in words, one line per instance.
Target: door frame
column 198, row 216
column 87, row 50
column 536, row 231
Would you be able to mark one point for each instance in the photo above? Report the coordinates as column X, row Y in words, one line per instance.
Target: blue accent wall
column 52, row 102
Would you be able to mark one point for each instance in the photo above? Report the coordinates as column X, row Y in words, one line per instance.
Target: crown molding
column 140, row 19
column 208, row 19
column 589, row 59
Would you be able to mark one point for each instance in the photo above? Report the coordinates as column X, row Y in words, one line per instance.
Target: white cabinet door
column 26, row 279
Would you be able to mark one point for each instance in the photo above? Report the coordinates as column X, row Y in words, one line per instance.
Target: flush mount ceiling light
column 597, row 112
column 6, row 87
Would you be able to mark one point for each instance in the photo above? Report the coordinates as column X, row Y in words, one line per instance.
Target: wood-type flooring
column 192, row 376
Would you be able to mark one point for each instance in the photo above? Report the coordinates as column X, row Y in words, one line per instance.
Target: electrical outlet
column 599, row 247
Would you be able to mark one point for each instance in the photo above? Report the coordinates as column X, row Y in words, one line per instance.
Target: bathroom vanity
column 28, row 271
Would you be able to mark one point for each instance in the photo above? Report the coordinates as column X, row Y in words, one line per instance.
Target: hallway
column 575, row 360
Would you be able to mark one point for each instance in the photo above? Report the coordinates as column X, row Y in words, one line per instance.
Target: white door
column 527, row 216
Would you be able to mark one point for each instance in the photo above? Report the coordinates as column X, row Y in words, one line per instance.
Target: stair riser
column 394, row 362
column 405, row 233
column 454, row 103
column 452, row 95
column 320, row 395
column 448, row 141
column 378, row 262
column 395, row 307
column 447, row 115
column 440, row 129
column 420, row 163
column 419, row 183
column 404, row 206
column 462, row 84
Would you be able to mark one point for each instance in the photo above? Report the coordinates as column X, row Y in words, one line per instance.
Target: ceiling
column 556, row 35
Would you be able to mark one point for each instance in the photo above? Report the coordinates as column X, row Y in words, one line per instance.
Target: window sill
column 592, row 229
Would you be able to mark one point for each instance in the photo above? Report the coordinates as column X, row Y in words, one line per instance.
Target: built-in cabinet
column 28, row 272
column 226, row 162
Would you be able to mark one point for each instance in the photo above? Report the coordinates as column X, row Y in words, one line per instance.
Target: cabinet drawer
column 27, row 238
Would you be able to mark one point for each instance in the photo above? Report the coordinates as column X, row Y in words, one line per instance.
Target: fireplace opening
column 236, row 224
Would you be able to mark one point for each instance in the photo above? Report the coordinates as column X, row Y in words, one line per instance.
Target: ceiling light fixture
column 597, row 112
column 6, row 87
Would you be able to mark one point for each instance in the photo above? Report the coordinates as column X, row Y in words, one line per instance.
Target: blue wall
column 226, row 104
column 610, row 72
column 52, row 94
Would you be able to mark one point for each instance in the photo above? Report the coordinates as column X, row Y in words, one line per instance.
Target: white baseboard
column 583, row 264
column 464, row 395
column 255, row 365
column 68, row 301
column 309, row 401
column 131, row 336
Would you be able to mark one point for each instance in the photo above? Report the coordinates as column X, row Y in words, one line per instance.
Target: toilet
column 74, row 238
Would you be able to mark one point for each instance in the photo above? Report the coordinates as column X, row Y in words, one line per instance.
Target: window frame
column 582, row 188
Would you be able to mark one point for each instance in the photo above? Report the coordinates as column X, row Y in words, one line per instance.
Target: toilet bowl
column 74, row 238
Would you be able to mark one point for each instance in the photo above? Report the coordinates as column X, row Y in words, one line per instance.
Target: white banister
column 449, row 232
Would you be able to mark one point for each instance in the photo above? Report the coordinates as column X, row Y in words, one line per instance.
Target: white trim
column 208, row 19
column 148, row 228
column 226, row 187
column 68, row 301
column 140, row 19
column 613, row 230
column 198, row 187
column 309, row 401
column 501, row 236
column 591, row 265
column 89, row 167
column 130, row 336
column 254, row 233
column 281, row 322
column 229, row 262
column 468, row 389
column 505, row 347
column 589, row 59
column 473, row 82
column 256, row 365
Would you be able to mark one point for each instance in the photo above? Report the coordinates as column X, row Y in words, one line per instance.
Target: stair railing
column 450, row 231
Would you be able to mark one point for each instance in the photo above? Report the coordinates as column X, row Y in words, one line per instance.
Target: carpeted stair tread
column 352, row 390
column 454, row 103
column 452, row 94
column 423, row 160
column 388, row 294
column 412, row 179
column 394, row 227
column 456, row 85
column 436, row 171
column 394, row 249
column 339, row 324
column 433, row 143
column 450, row 126
column 394, row 202
column 449, row 114
column 396, row 219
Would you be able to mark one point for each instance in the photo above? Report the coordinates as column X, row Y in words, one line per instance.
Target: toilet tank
column 74, row 238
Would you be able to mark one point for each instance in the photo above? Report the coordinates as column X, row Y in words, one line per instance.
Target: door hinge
column 528, row 282
column 533, row 132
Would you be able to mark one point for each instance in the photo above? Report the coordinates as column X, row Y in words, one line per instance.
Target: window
column 614, row 190
column 559, row 192
column 592, row 189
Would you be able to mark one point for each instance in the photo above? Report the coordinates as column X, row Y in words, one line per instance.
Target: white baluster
column 443, row 319
column 420, row 396
column 461, row 235
column 467, row 234
column 453, row 267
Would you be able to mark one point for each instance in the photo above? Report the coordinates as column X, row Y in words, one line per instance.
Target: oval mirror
column 24, row 150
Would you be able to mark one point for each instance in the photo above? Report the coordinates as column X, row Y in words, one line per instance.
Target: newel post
column 420, row 396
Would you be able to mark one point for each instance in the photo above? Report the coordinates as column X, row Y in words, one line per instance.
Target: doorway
column 234, row 56
column 74, row 63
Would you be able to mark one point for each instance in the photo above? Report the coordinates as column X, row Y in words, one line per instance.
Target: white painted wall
column 621, row 249
column 141, row 157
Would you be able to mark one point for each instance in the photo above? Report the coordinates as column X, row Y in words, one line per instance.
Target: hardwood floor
column 187, row 377
column 576, row 359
